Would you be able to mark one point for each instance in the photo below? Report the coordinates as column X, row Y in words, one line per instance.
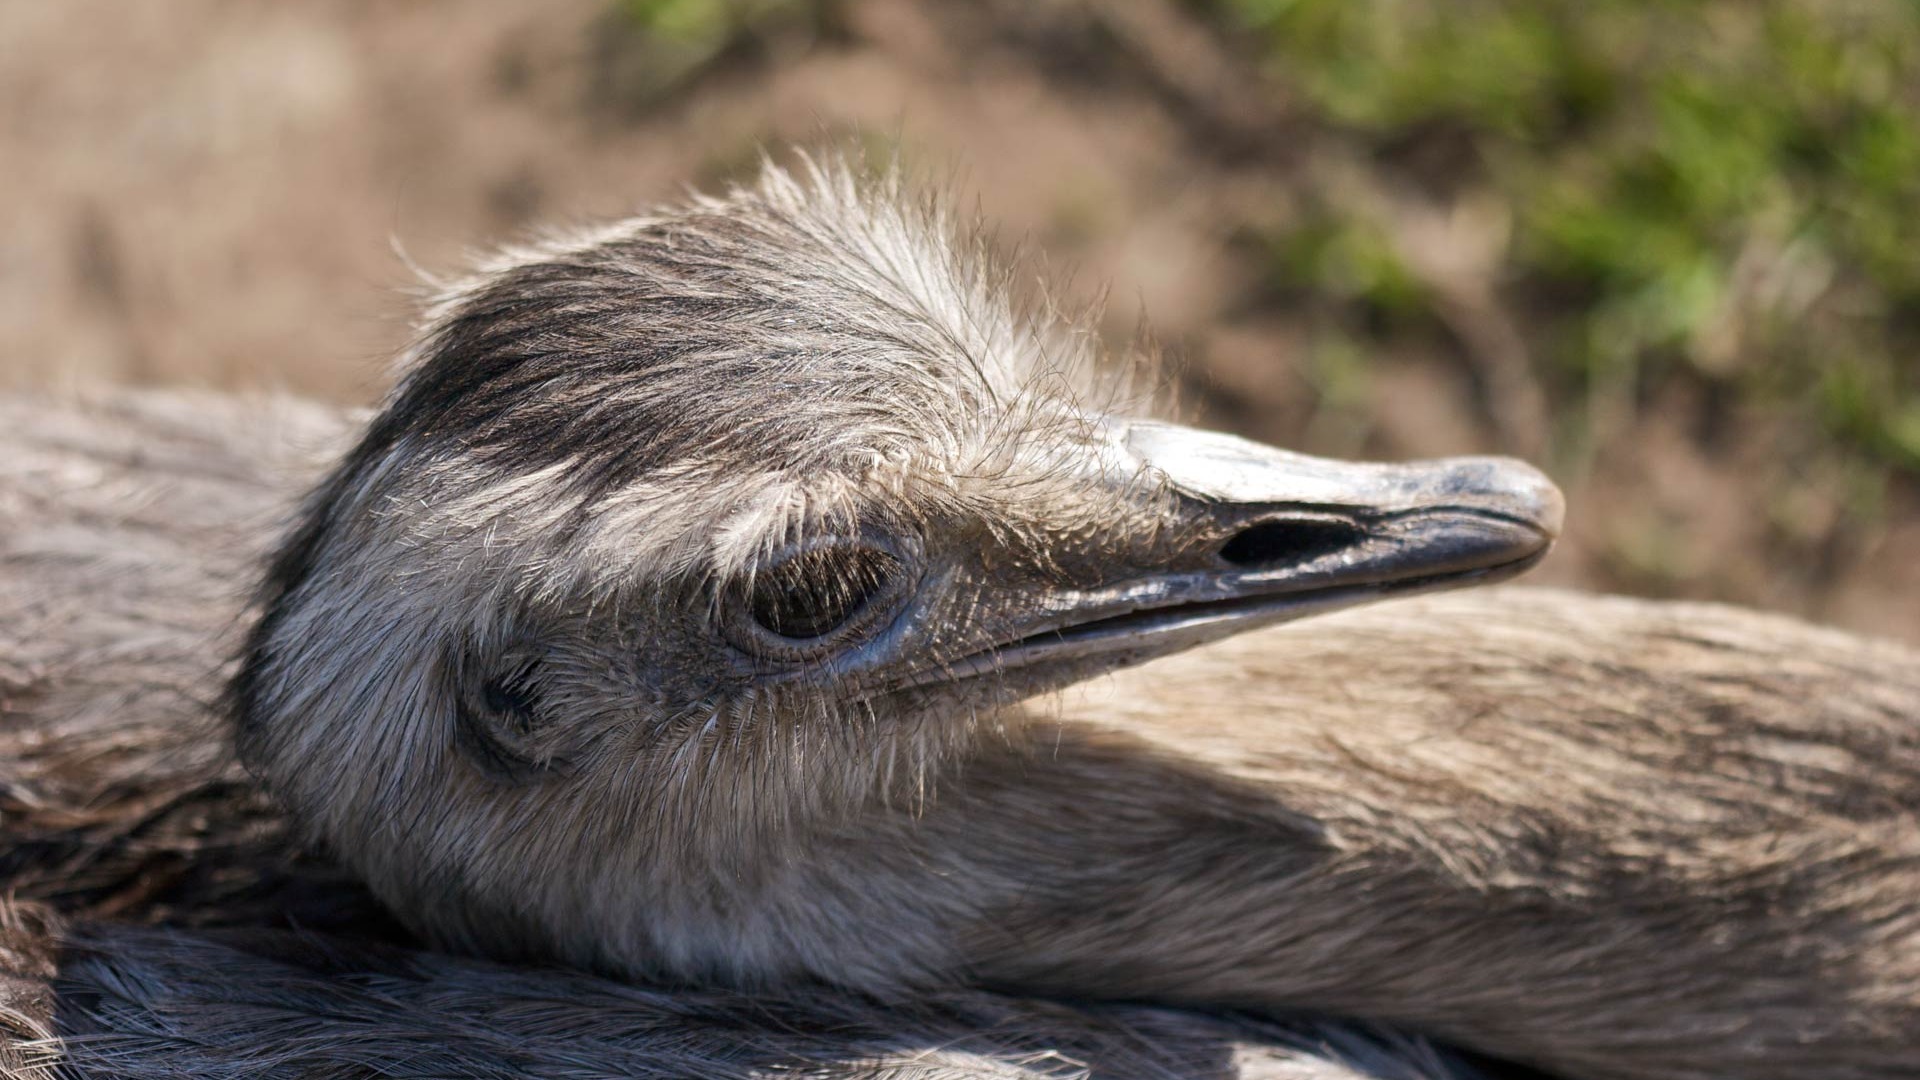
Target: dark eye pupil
column 817, row 592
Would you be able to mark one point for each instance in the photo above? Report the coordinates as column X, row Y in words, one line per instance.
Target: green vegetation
column 703, row 27
column 649, row 49
column 1722, row 191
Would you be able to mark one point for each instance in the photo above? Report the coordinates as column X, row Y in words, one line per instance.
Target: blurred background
column 1668, row 248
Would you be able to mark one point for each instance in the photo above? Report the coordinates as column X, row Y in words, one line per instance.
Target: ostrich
column 131, row 522
column 679, row 615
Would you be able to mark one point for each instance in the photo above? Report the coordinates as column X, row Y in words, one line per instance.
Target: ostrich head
column 684, row 539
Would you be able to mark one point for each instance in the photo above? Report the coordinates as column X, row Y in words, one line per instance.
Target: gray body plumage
column 519, row 666
column 114, row 1002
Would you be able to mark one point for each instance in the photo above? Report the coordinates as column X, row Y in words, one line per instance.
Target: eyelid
column 879, row 610
column 811, row 595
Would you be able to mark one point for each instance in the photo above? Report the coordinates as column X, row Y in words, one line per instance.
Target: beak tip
column 1541, row 502
column 1516, row 490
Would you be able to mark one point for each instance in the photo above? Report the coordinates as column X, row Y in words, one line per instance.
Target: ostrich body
column 674, row 617
column 108, row 1001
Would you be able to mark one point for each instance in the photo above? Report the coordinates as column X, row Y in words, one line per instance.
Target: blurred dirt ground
column 235, row 194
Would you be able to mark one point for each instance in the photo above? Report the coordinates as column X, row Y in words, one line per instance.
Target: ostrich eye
column 814, row 593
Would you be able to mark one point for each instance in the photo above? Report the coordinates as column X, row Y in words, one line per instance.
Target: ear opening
column 503, row 723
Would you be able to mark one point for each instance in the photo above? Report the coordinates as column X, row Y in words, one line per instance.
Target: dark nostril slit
column 1287, row 543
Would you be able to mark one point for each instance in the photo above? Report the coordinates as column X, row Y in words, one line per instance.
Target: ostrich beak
column 1281, row 536
column 1308, row 523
